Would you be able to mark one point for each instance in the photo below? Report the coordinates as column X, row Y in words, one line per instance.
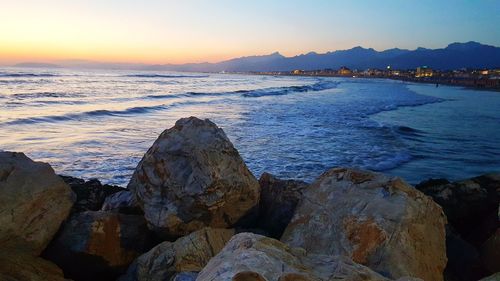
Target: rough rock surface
column 193, row 177
column 19, row 266
column 34, row 202
column 122, row 202
column 90, row 195
column 471, row 205
column 254, row 257
column 96, row 245
column 187, row 254
column 494, row 277
column 378, row 221
column 278, row 200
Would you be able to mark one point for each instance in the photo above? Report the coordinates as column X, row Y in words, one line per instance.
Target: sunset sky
column 157, row 31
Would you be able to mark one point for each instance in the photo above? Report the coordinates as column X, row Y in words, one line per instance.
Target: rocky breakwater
column 189, row 212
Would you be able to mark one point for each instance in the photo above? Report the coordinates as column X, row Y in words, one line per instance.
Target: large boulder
column 494, row 277
column 278, row 200
column 90, row 195
column 181, row 259
column 252, row 257
column 96, row 245
column 21, row 266
column 377, row 220
column 471, row 205
column 34, row 202
column 193, row 177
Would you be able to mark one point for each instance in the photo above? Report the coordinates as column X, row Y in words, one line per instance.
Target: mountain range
column 454, row 56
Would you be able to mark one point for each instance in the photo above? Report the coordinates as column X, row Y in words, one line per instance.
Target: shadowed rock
column 175, row 259
column 377, row 220
column 193, row 177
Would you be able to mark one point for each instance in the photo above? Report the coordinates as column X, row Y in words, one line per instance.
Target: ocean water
column 98, row 124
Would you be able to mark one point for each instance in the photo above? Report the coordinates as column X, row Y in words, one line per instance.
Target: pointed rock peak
column 276, row 54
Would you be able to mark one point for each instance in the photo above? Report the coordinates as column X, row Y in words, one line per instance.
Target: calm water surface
column 100, row 123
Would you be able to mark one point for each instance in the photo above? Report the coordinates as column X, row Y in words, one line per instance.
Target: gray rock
column 122, row 201
column 193, row 177
column 377, row 220
column 34, row 202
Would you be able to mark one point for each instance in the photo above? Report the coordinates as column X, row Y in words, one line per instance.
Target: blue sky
column 201, row 30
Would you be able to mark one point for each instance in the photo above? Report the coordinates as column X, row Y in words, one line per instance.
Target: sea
column 99, row 123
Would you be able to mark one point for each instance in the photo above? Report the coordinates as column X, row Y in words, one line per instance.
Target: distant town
column 474, row 78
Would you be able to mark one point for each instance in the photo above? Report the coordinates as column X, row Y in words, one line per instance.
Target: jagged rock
column 90, row 195
column 34, row 201
column 193, row 177
column 254, row 257
column 187, row 254
column 490, row 252
column 20, row 266
column 96, row 245
column 123, row 202
column 278, row 200
column 471, row 206
column 377, row 220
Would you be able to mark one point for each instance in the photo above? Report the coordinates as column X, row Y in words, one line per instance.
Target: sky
column 163, row 31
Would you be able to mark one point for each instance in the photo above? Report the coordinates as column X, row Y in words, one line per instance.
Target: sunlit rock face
column 249, row 256
column 377, row 220
column 33, row 203
column 193, row 177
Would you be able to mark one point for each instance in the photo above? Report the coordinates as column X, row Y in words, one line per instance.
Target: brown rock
column 19, row 266
column 250, row 256
column 193, row 177
column 187, row 254
column 278, row 200
column 34, row 201
column 96, row 245
column 376, row 220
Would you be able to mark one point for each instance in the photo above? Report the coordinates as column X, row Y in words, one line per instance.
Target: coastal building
column 424, row 71
column 298, row 72
column 344, row 71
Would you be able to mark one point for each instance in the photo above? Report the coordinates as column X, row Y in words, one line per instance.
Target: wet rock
column 90, row 195
column 278, row 200
column 193, row 177
column 494, row 277
column 123, row 202
column 34, row 202
column 471, row 206
column 254, row 257
column 96, row 245
column 377, row 220
column 19, row 266
column 181, row 259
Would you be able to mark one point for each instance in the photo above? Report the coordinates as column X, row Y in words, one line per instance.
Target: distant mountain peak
column 465, row 46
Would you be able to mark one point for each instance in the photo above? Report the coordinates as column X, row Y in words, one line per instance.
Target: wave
column 5, row 74
column 164, row 76
column 277, row 91
column 45, row 95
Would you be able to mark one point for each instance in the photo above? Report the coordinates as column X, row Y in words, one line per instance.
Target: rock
column 90, row 195
column 490, row 252
column 34, row 202
column 471, row 206
column 187, row 254
column 20, row 266
column 185, row 276
column 464, row 262
column 193, row 177
column 122, row 202
column 494, row 277
column 278, row 200
column 377, row 220
column 249, row 256
column 96, row 245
